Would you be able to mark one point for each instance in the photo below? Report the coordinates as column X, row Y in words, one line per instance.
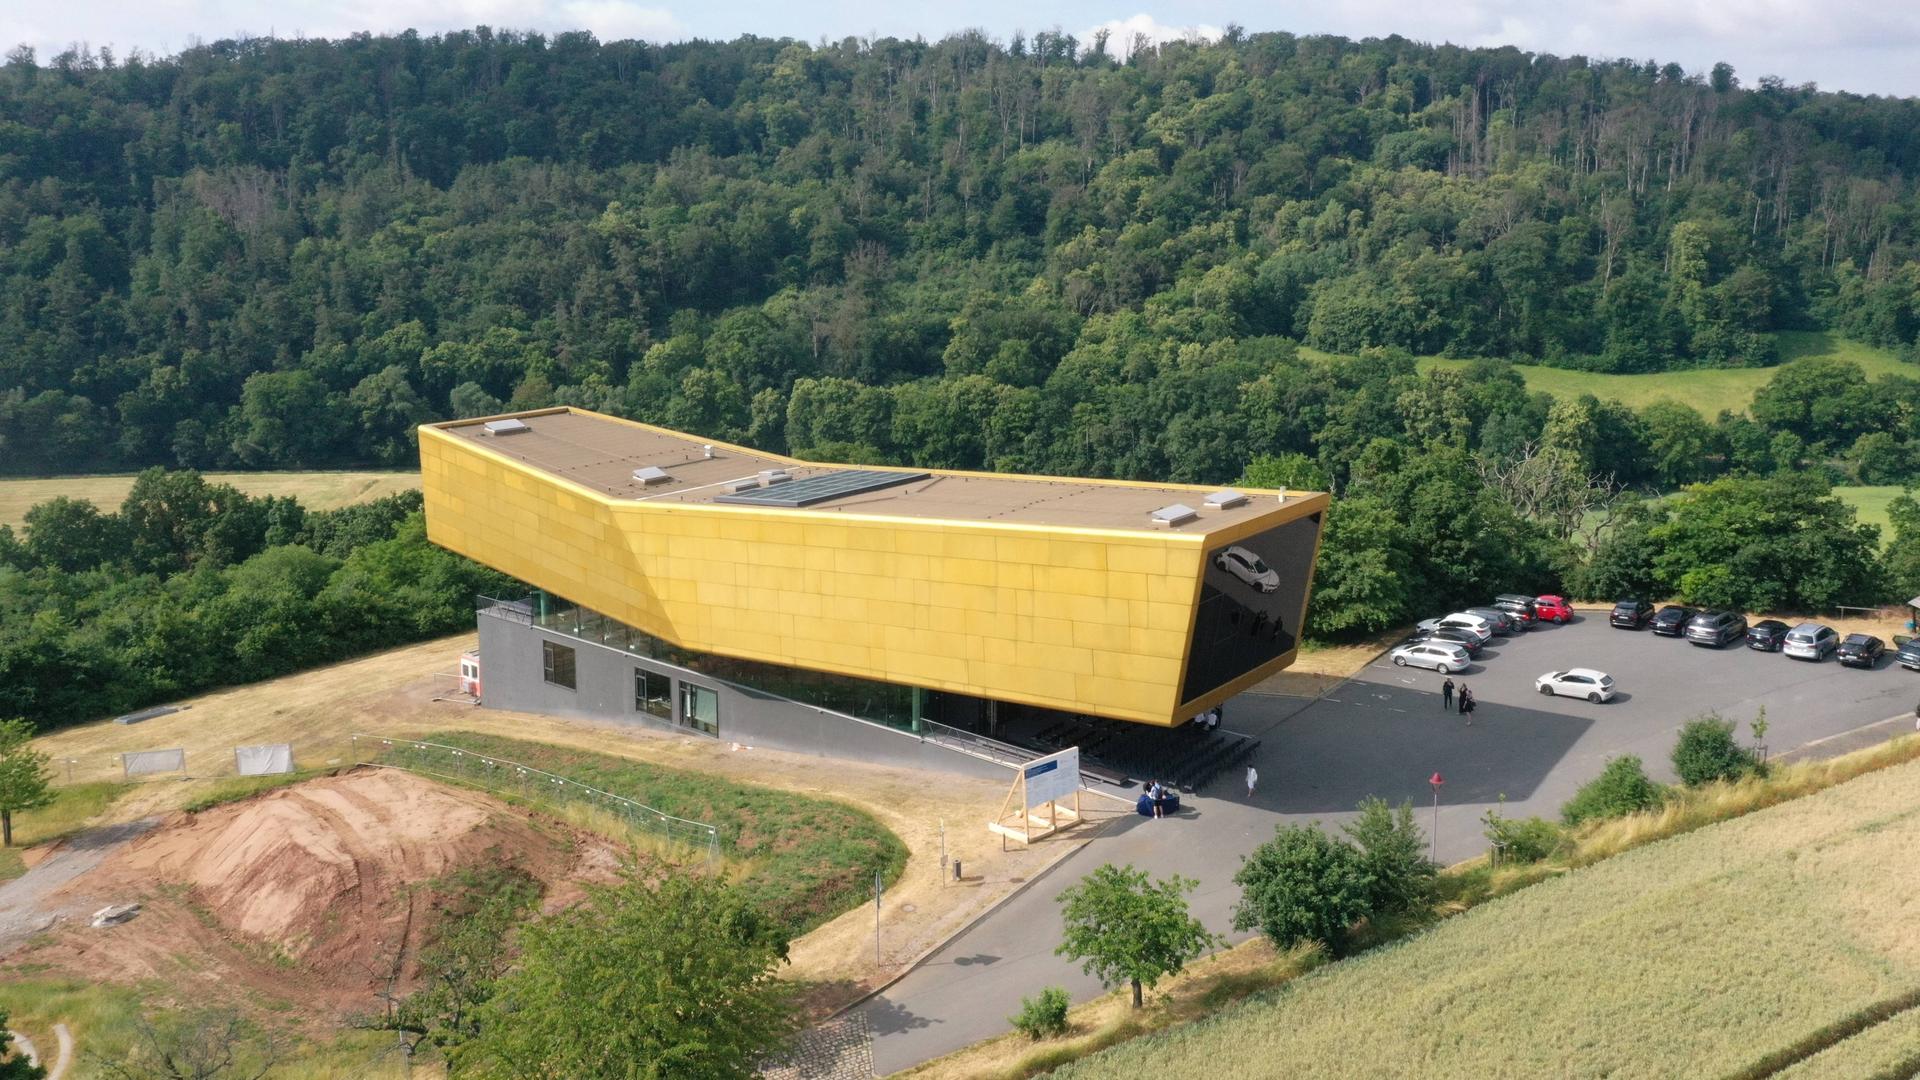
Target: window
column 556, row 664
column 651, row 693
column 699, row 708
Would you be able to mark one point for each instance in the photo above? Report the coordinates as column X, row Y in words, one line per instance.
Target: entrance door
column 700, row 708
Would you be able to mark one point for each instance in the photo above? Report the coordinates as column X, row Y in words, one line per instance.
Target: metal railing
column 498, row 774
column 978, row 745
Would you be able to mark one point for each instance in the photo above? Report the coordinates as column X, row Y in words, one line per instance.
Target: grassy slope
column 1691, row 957
column 1708, row 390
column 1870, row 503
column 315, row 490
column 1892, row 1048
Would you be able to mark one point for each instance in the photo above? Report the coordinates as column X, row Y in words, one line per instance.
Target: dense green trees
column 191, row 585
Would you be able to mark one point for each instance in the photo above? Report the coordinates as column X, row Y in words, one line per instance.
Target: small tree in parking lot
column 1304, row 885
column 1706, row 751
column 1128, row 929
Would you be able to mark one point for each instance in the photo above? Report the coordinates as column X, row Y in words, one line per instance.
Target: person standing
column 1446, row 694
column 1253, row 780
column 1468, row 703
column 1465, row 696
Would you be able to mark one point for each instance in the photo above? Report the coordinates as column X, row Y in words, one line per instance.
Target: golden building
column 1131, row 601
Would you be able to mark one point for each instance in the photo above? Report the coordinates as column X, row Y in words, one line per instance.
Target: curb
column 913, row 965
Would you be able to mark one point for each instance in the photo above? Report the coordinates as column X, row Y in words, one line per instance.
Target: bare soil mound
column 313, row 894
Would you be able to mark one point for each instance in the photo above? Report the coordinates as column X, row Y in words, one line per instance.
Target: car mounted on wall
column 1595, row 686
column 1248, row 567
column 1860, row 650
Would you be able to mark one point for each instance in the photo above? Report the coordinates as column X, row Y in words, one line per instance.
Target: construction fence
column 502, row 776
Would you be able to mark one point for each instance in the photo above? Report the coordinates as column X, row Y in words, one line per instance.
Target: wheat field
column 314, row 490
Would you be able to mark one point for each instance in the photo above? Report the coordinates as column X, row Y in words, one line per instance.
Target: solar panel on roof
column 820, row 488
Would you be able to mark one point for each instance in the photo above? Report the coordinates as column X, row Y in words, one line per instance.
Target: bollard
column 956, row 870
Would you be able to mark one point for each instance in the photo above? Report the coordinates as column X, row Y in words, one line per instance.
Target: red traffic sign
column 1435, row 780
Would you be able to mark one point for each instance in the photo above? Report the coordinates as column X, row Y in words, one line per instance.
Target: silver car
column 1811, row 641
column 1438, row 655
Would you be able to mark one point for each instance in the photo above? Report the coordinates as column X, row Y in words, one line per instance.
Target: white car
column 1460, row 620
column 1247, row 566
column 1437, row 655
column 1595, row 686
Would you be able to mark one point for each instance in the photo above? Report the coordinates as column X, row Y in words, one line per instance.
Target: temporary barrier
column 147, row 762
column 263, row 760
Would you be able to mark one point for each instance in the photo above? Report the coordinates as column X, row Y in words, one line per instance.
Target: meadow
column 1698, row 956
column 1870, row 505
column 1709, row 390
column 314, row 490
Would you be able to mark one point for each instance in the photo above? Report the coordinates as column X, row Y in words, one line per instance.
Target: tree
column 1125, row 928
column 25, row 778
column 195, row 1044
column 1706, row 751
column 1394, row 852
column 1622, row 788
column 15, row 1067
column 1783, row 543
column 72, row 534
column 1304, row 885
column 674, row 979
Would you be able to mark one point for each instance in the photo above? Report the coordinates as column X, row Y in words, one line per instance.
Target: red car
column 1553, row 609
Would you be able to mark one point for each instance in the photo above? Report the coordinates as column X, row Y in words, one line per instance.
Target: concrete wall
column 512, row 678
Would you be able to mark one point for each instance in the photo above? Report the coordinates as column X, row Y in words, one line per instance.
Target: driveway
column 1383, row 733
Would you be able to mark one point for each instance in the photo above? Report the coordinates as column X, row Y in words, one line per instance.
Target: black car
column 1860, row 650
column 1716, row 628
column 1909, row 654
column 1519, row 606
column 1448, row 634
column 1672, row 620
column 1631, row 614
column 1505, row 623
column 1767, row 635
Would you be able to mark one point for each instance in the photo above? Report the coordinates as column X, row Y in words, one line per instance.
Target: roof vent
column 509, row 426
column 1226, row 499
column 651, row 475
column 771, row 477
column 745, row 483
column 1178, row 514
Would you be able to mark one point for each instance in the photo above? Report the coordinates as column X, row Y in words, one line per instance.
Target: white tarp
column 144, row 762
column 1052, row 778
column 262, row 760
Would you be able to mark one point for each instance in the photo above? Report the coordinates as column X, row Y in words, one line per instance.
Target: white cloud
column 617, row 20
column 1121, row 33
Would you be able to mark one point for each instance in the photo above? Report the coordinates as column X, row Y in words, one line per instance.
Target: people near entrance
column 1446, row 694
column 1209, row 720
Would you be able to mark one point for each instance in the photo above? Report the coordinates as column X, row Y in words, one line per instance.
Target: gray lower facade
column 526, row 668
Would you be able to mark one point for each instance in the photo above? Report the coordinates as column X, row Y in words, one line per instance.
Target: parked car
column 1909, row 654
column 1716, row 628
column 1767, row 635
column 1595, row 686
column 1811, row 641
column 1631, row 614
column 1460, row 620
column 1553, row 609
column 1248, row 567
column 1466, row 639
column 1671, row 621
column 1438, row 655
column 1860, row 650
column 1503, row 622
column 1518, row 606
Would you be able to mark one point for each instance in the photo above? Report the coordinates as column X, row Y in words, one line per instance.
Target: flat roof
column 601, row 453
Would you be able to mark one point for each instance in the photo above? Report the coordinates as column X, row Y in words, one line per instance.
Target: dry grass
column 1692, row 957
column 315, row 490
column 1891, row 1049
column 389, row 694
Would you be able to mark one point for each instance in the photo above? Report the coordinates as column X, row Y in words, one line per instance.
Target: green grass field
column 1708, row 390
column 1698, row 956
column 1870, row 503
column 315, row 490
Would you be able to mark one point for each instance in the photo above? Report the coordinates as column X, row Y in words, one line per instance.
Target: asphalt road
column 1384, row 733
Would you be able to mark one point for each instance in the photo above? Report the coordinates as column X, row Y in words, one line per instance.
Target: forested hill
column 971, row 253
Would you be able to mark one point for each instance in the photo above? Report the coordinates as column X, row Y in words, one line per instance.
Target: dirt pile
column 314, row 891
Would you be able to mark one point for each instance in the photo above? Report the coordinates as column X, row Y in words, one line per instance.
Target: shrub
column 1303, row 885
column 1527, row 840
column 1622, row 788
column 1706, row 752
column 1394, row 851
column 1044, row 1015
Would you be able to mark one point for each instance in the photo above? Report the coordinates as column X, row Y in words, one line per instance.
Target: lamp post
column 1433, row 854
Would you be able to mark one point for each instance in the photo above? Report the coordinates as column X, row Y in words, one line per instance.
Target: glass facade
column 556, row 664
column 1252, row 600
column 699, row 708
column 882, row 703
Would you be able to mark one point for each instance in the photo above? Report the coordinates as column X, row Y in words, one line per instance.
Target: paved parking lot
column 1383, row 733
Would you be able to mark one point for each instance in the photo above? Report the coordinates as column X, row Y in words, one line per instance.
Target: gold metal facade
column 1084, row 620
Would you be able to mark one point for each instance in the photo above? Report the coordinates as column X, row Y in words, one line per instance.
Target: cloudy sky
column 1867, row 46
